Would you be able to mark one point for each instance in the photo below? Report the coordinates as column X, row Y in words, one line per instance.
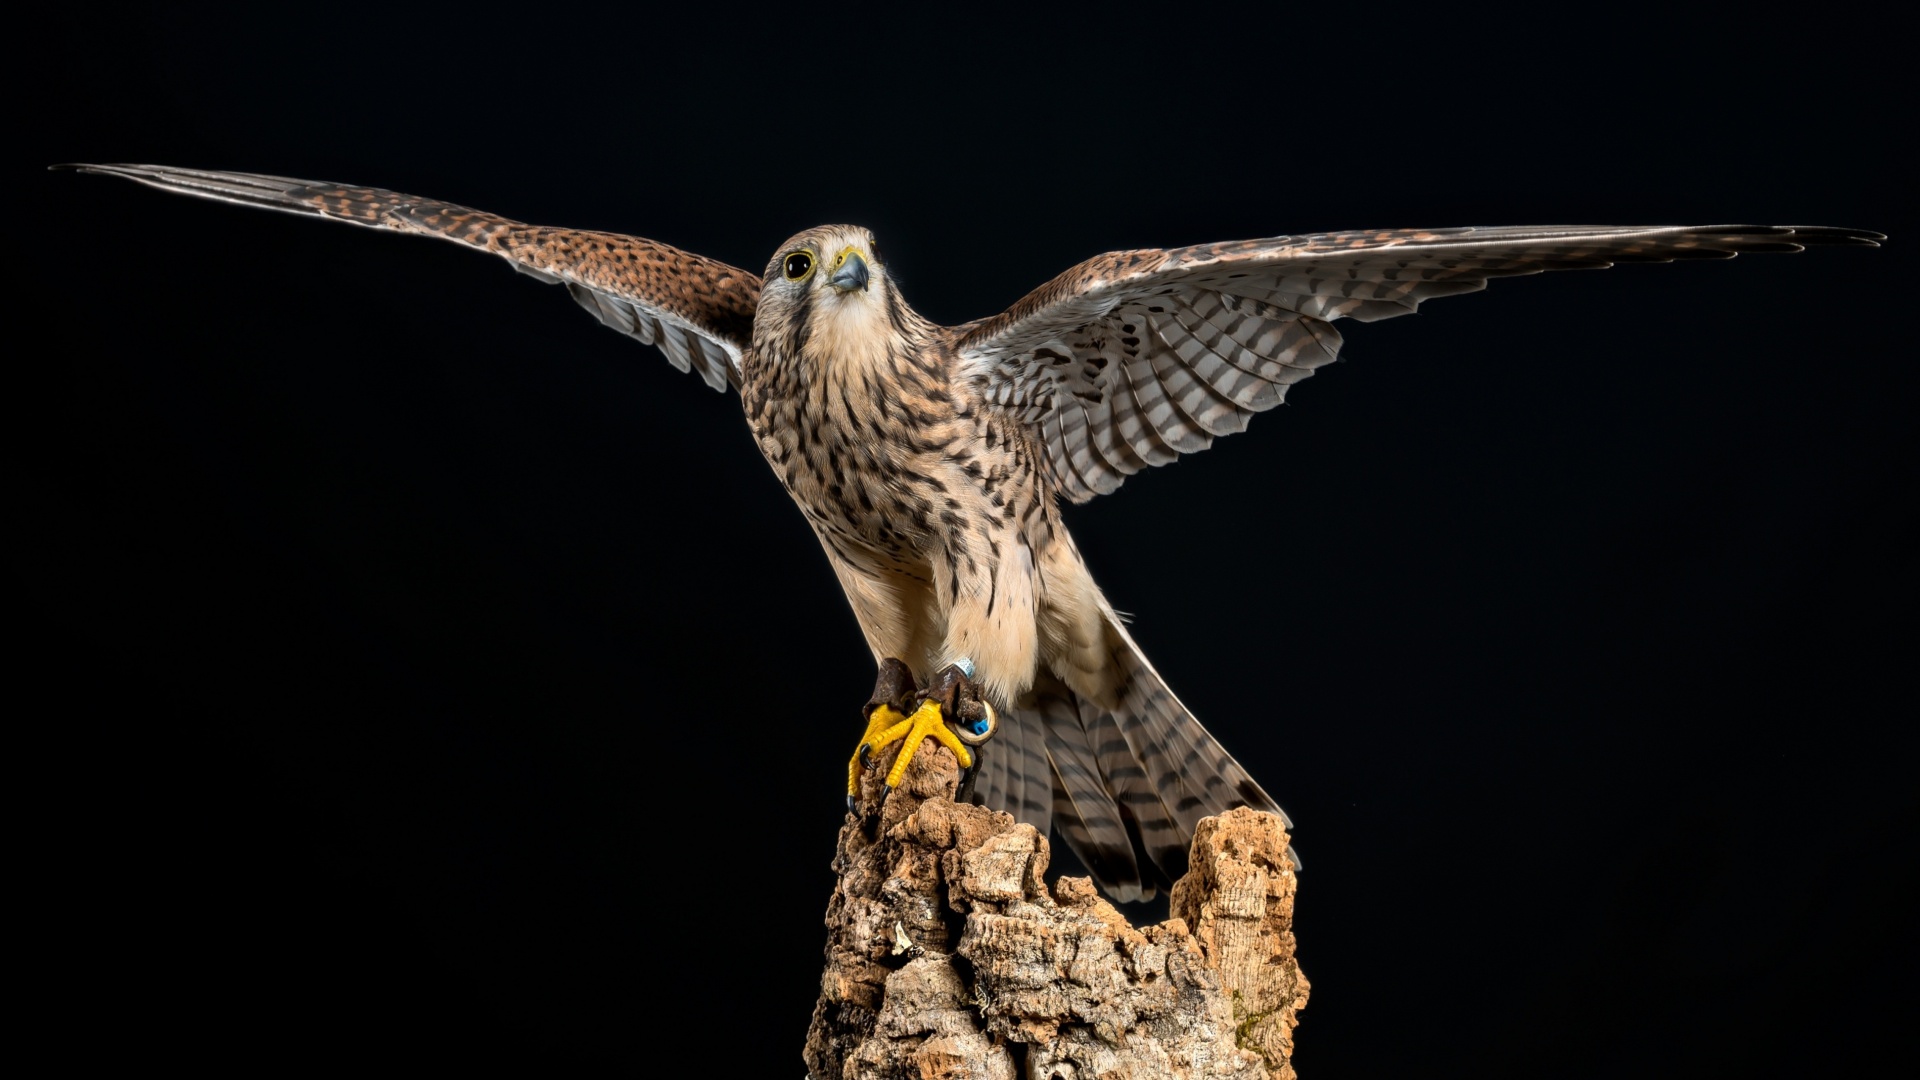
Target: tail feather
column 1196, row 773
column 1129, row 783
column 1015, row 775
column 1087, row 810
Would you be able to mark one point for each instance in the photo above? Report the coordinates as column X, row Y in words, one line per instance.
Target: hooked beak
column 849, row 272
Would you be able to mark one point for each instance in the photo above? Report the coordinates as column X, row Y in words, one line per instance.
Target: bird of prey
column 930, row 460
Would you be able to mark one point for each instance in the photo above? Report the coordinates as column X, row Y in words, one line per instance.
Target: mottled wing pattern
column 698, row 311
column 1135, row 357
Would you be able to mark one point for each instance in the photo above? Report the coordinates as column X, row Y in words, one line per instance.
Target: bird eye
column 799, row 265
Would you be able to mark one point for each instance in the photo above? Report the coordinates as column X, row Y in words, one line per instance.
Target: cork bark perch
column 949, row 957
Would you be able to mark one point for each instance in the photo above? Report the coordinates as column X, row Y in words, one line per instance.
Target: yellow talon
column 926, row 721
column 887, row 726
column 881, row 725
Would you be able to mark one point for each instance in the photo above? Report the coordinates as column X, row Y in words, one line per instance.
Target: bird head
column 827, row 293
column 836, row 261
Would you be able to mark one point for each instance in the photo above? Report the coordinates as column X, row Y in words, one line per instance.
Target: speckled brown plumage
column 930, row 460
column 699, row 311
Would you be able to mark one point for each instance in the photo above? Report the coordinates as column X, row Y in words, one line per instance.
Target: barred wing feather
column 1135, row 357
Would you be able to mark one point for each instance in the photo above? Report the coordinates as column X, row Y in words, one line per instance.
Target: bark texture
column 949, row 957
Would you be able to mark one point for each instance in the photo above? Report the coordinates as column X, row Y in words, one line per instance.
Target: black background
column 419, row 672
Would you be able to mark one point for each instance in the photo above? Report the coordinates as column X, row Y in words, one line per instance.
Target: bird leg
column 970, row 721
column 894, row 696
column 949, row 710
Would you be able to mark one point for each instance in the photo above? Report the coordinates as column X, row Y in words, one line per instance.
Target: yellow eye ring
column 798, row 265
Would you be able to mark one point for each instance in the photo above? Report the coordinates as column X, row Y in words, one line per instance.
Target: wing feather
column 696, row 310
column 1141, row 434
column 1157, row 352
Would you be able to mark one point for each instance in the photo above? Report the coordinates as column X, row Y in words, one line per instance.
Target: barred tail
column 1124, row 786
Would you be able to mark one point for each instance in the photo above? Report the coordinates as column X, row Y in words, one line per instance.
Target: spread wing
column 1135, row 357
column 698, row 311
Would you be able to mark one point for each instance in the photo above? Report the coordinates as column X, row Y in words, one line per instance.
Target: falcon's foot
column 950, row 711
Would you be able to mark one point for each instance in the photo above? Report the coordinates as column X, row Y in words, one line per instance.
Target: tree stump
column 949, row 957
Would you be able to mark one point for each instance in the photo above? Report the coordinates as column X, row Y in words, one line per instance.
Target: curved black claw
column 965, row 794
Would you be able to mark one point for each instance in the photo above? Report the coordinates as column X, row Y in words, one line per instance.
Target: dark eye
column 799, row 265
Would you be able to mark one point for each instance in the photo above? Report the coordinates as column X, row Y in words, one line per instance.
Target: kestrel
column 930, row 460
